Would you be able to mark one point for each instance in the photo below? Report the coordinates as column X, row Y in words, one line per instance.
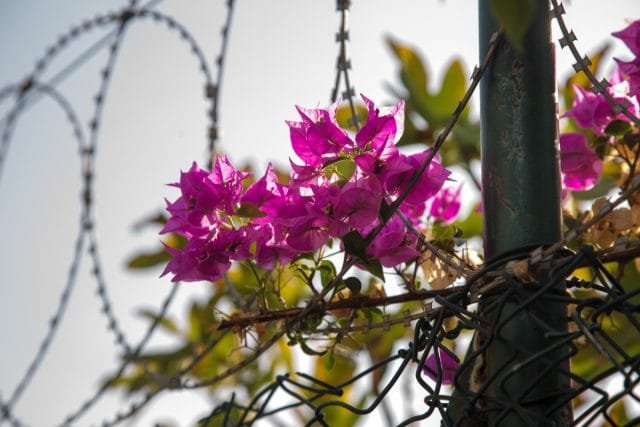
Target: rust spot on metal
column 515, row 75
column 501, row 195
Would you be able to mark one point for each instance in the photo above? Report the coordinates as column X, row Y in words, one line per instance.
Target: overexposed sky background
column 281, row 53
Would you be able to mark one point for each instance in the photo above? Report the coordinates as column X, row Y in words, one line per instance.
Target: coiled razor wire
column 28, row 92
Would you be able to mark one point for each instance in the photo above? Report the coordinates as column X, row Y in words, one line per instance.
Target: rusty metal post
column 521, row 199
column 510, row 378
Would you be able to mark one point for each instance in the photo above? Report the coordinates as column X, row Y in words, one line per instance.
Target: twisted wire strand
column 26, row 96
column 214, row 90
column 87, row 154
column 88, row 191
column 583, row 62
column 343, row 63
column 124, row 18
column 213, row 93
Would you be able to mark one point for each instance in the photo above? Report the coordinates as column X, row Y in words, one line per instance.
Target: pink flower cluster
column 580, row 165
column 339, row 186
column 631, row 69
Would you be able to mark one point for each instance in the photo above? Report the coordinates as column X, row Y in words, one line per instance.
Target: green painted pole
column 512, row 382
column 521, row 200
column 520, row 173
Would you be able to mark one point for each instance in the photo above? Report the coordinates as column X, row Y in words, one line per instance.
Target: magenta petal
column 590, row 110
column 393, row 245
column 265, row 189
column 199, row 260
column 358, row 204
column 447, row 367
column 300, row 144
column 631, row 36
column 446, row 204
column 318, row 136
column 581, row 167
column 307, row 237
column 631, row 71
column 428, row 184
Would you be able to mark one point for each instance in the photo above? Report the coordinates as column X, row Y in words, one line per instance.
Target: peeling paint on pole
column 520, row 172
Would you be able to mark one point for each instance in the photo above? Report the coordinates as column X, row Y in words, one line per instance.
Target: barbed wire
column 583, row 62
column 27, row 93
column 89, row 176
column 343, row 64
column 213, row 90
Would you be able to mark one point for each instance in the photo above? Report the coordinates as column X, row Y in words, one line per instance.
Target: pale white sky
column 281, row 53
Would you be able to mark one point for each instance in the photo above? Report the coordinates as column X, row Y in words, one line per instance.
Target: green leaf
column 385, row 211
column 374, row 267
column 454, row 86
column 148, row 260
column 443, row 232
column 601, row 189
column 617, row 128
column 355, row 245
column 413, row 73
column 618, row 414
column 327, row 272
column 329, row 360
column 159, row 218
column 471, row 226
column 344, row 169
column 354, row 284
column 249, row 210
column 515, row 17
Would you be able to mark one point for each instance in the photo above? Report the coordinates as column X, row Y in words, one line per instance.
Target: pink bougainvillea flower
column 630, row 36
column 429, row 183
column 590, row 110
column 317, row 137
column 218, row 217
column 446, row 204
column 580, row 165
column 187, row 221
column 309, row 233
column 265, row 189
column 447, row 367
column 380, row 132
column 414, row 213
column 270, row 247
column 197, row 189
column 631, row 71
column 358, row 204
column 393, row 245
column 201, row 259
column 227, row 182
column 194, row 211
